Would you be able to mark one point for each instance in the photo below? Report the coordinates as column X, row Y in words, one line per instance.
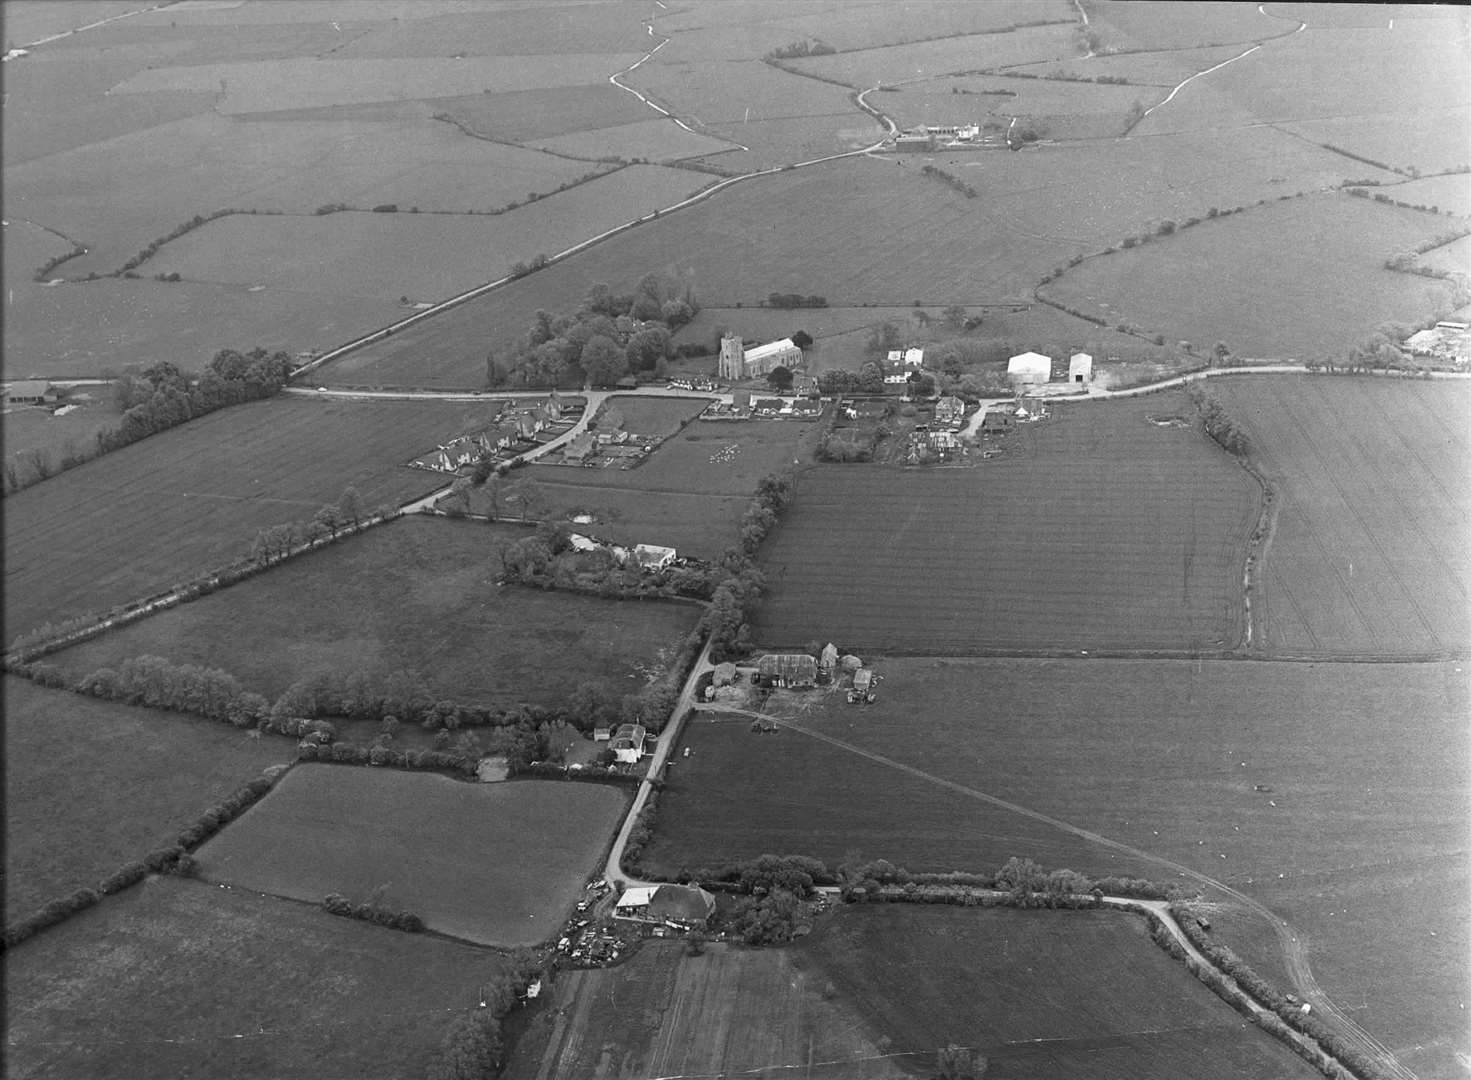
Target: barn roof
column 792, row 667
column 682, row 903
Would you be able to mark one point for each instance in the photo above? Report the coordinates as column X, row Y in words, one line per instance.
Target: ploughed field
column 1099, row 529
column 181, row 978
column 91, row 786
column 1328, row 793
column 875, row 991
column 158, row 512
column 1369, row 552
column 498, row 864
column 417, row 595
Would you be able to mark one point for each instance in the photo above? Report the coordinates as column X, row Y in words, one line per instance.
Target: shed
column 1080, row 368
column 797, row 670
column 1029, row 367
column 602, row 734
column 628, row 382
column 862, row 678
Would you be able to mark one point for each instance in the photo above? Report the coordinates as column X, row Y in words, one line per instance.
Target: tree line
column 1220, row 425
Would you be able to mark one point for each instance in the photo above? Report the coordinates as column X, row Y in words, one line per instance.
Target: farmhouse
column 737, row 362
column 1029, row 368
column 950, row 410
column 627, row 743
column 678, row 905
column 652, row 556
column 1080, row 368
column 793, row 670
column 30, row 392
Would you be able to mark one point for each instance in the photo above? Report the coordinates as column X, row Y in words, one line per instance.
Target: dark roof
column 792, row 667
column 681, row 903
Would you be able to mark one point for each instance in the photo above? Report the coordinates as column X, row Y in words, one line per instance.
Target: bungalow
column 1029, row 368
column 950, row 410
column 807, row 407
column 652, row 556
column 678, row 905
column 627, row 743
column 797, row 671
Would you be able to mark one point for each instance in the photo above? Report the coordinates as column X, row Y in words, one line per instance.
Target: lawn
column 651, row 415
column 1264, row 270
column 498, row 864
column 1301, row 785
column 1369, row 553
column 159, row 511
column 91, row 786
column 178, row 978
column 1097, row 530
column 1039, row 993
column 418, row 595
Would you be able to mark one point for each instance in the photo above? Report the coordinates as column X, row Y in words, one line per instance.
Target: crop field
column 1137, row 26
column 91, row 785
column 974, row 98
column 1369, row 552
column 1163, row 68
column 1040, row 993
column 1299, row 784
column 504, row 30
column 434, row 256
column 1422, row 141
column 1264, row 270
column 1451, row 194
column 417, row 595
column 34, row 427
column 147, row 516
column 177, row 978
column 1098, row 530
column 658, row 139
column 505, row 872
column 946, row 56
column 526, row 115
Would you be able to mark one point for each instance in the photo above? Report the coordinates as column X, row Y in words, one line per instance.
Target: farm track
column 1293, row 944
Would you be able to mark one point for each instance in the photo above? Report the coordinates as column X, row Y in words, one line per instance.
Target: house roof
column 651, row 554
column 773, row 348
column 27, row 388
column 914, row 357
column 638, row 897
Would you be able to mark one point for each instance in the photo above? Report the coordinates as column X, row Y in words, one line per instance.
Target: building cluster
column 927, row 137
column 902, row 363
column 1035, row 369
column 1446, row 342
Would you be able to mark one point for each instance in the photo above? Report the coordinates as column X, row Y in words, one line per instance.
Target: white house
column 914, row 358
column 1080, row 368
column 627, row 743
column 1029, row 368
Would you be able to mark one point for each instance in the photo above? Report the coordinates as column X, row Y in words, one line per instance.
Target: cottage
column 684, row 906
column 1080, row 368
column 950, row 410
column 1029, row 368
column 797, row 671
column 627, row 743
column 652, row 556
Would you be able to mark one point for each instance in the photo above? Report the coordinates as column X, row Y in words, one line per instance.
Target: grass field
column 1359, row 810
column 152, row 514
column 498, row 864
column 526, row 115
column 1098, row 530
column 91, row 785
column 417, row 594
column 1054, row 109
column 1454, row 257
column 649, row 415
column 1162, row 68
column 659, row 139
column 1265, row 270
column 1369, row 552
column 431, row 256
column 178, row 978
column 1141, row 27
column 1452, row 194
column 34, row 427
column 927, row 59
column 692, row 522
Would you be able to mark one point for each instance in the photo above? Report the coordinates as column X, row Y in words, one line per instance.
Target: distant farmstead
column 792, row 670
column 738, row 362
column 29, row 392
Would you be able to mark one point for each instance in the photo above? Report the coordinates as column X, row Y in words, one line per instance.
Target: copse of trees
column 795, row 300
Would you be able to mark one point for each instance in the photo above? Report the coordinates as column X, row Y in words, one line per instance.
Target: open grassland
column 498, row 864
column 1053, row 109
column 1324, row 791
column 947, row 56
column 177, row 978
column 525, row 115
column 90, row 786
column 417, row 595
column 1162, row 68
column 155, row 513
column 657, row 139
column 35, row 427
column 650, row 415
column 431, row 256
column 1132, row 25
column 1040, row 993
column 1424, row 141
column 1369, row 554
column 731, row 1011
column 1097, row 530
column 550, row 31
column 1301, row 278
column 1450, row 194
column 1454, row 257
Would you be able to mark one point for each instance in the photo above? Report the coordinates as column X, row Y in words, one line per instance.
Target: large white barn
column 1029, row 368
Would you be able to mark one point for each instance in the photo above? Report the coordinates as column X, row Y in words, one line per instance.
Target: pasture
column 155, row 513
column 91, row 785
column 35, row 427
column 1323, row 791
column 658, row 139
column 497, row 864
column 179, row 978
column 1163, row 68
column 1040, row 993
column 417, row 595
column 1098, row 530
column 1268, row 271
column 1454, row 257
column 1123, row 24
column 652, row 415
column 1451, row 194
column 1053, row 108
column 1369, row 554
column 526, row 115
column 424, row 256
column 893, row 64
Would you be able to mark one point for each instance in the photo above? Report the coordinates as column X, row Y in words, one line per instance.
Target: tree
column 603, row 361
column 802, row 339
column 526, row 493
column 1221, row 353
column 329, row 518
column 960, row 1063
column 884, row 337
column 350, row 505
column 676, row 313
column 779, row 378
column 471, row 1048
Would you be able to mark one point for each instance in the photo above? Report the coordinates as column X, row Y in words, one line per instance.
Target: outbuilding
column 1029, row 368
column 29, row 392
column 681, row 905
column 652, row 556
column 793, row 670
column 1080, row 368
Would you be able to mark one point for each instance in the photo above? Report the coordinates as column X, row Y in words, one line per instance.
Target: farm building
column 793, row 670
column 738, row 362
column 681, row 905
column 950, row 410
column 1080, row 368
column 863, row 679
column 920, row 141
column 627, row 743
column 652, row 556
column 30, row 392
column 724, row 675
column 943, row 442
column 1444, row 341
column 602, row 734
column 1029, row 368
column 829, row 658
